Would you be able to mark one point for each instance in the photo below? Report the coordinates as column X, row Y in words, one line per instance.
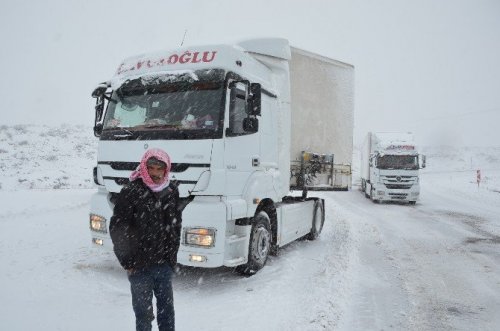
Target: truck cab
column 391, row 165
column 224, row 115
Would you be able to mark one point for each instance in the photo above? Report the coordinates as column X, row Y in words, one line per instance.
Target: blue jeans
column 143, row 283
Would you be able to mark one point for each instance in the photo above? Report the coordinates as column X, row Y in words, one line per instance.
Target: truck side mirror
column 250, row 124
column 423, row 161
column 99, row 91
column 255, row 101
column 99, row 109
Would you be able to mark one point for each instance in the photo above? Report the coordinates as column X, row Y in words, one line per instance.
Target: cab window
column 237, row 112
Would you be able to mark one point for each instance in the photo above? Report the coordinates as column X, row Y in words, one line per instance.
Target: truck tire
column 412, row 202
column 372, row 197
column 318, row 220
column 259, row 246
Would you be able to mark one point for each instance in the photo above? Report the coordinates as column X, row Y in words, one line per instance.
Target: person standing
column 145, row 230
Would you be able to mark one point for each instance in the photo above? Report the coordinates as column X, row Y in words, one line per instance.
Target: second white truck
column 234, row 119
column 390, row 165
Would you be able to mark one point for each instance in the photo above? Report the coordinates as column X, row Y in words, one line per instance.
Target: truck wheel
column 317, row 221
column 412, row 202
column 260, row 245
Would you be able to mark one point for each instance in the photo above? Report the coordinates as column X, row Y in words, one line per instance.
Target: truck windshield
column 168, row 106
column 407, row 162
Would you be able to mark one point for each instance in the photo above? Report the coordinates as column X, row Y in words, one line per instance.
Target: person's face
column 156, row 172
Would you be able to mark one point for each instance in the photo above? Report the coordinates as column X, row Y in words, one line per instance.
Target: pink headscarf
column 142, row 169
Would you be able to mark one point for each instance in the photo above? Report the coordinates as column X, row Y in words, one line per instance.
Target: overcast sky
column 427, row 66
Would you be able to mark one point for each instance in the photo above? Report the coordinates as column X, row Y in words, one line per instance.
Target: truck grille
column 123, row 181
column 399, row 182
column 176, row 167
column 398, row 186
column 116, row 174
column 398, row 196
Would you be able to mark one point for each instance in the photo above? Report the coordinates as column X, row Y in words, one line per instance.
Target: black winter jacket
column 146, row 226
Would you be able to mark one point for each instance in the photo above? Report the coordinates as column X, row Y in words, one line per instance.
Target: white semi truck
column 234, row 119
column 390, row 164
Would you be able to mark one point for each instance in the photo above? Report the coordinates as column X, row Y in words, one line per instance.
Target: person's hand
column 130, row 271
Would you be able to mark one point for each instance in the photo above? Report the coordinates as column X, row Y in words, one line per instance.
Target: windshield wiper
column 161, row 126
column 121, row 132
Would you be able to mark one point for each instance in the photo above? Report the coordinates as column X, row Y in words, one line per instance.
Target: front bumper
column 231, row 241
column 384, row 194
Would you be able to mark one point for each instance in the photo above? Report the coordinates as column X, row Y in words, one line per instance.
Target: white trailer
column 322, row 94
column 233, row 119
column 390, row 165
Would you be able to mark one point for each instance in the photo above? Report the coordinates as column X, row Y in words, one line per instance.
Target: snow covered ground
column 432, row 266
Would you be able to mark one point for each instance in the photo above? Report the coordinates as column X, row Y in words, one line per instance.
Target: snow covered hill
column 44, row 157
column 457, row 167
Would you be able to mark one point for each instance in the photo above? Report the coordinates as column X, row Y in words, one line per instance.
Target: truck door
column 241, row 147
column 374, row 173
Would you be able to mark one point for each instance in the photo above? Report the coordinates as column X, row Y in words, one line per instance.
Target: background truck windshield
column 408, row 162
column 167, row 103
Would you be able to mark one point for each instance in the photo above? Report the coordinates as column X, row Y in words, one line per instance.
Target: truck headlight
column 200, row 237
column 98, row 223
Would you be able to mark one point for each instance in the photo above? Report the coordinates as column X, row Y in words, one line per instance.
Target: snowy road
column 433, row 266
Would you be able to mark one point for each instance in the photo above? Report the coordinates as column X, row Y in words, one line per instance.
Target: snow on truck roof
column 395, row 142
column 191, row 58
